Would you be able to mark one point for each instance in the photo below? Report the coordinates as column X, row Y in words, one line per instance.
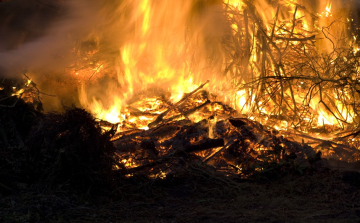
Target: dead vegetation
column 66, row 149
column 235, row 147
column 291, row 72
column 71, row 150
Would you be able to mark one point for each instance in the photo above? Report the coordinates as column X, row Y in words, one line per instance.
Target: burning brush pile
column 73, row 149
column 248, row 88
column 218, row 143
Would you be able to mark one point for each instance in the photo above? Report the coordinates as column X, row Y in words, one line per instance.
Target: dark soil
column 322, row 197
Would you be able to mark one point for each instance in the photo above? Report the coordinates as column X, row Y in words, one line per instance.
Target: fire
column 153, row 57
column 254, row 54
column 219, row 83
column 328, row 10
column 145, row 10
column 235, row 3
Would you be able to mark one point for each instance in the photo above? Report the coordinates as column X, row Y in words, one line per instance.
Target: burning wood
column 209, row 96
column 237, row 146
column 274, row 71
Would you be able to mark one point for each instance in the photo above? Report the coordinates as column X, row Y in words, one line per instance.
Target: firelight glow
column 171, row 48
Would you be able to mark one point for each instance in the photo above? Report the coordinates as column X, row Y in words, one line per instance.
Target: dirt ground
column 331, row 196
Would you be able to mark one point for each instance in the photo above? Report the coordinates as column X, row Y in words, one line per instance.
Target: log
column 205, row 145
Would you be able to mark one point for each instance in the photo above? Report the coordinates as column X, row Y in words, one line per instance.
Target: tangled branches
column 307, row 77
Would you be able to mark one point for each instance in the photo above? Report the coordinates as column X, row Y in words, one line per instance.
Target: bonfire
column 231, row 87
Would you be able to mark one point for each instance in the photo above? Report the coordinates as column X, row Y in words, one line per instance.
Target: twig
column 219, row 151
column 295, row 38
column 160, row 118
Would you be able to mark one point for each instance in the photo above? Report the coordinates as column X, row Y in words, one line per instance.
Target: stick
column 160, row 118
column 219, row 151
column 295, row 38
column 187, row 113
column 204, row 145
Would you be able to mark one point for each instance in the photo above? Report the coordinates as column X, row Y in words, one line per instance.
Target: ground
column 331, row 196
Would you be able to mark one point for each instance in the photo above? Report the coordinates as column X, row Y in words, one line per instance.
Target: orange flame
column 175, row 46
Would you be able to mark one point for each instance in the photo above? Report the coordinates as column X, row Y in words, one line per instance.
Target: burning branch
column 291, row 77
column 160, row 118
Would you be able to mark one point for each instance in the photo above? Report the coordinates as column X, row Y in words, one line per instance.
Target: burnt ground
column 331, row 196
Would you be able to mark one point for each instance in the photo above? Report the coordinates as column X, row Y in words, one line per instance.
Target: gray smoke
column 39, row 35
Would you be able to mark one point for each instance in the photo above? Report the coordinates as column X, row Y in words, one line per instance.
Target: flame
column 236, row 4
column 328, row 10
column 145, row 10
column 171, row 48
column 154, row 57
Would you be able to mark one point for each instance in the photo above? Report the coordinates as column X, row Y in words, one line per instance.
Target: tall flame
column 169, row 48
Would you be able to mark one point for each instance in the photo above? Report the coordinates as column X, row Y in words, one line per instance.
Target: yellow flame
column 328, row 10
column 145, row 10
column 235, row 3
column 157, row 55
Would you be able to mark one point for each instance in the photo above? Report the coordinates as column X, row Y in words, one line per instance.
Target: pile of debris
column 221, row 143
column 73, row 148
column 68, row 149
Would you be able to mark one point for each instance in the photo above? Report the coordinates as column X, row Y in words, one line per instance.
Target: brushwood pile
column 71, row 149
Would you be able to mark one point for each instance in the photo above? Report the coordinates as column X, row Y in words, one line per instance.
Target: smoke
column 47, row 37
column 39, row 35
